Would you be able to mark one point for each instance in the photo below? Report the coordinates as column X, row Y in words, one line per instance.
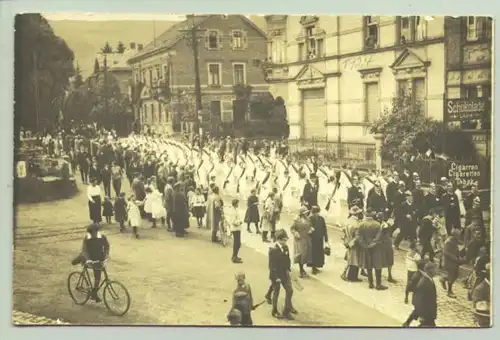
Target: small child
column 134, row 216
column 234, row 317
column 198, row 206
column 243, row 300
column 412, row 262
column 107, row 209
column 235, row 223
column 121, row 210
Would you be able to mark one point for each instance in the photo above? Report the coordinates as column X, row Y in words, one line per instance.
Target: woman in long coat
column 301, row 231
column 252, row 214
column 350, row 240
column 386, row 249
column 181, row 211
column 319, row 237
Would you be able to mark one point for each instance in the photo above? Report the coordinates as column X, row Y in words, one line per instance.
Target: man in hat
column 355, row 194
column 279, row 274
column 180, row 211
column 451, row 209
column 376, row 200
column 310, row 192
column 370, row 255
column 392, row 188
column 474, row 192
column 431, row 200
column 451, row 262
column 418, row 200
column 441, row 188
column 407, row 220
column 168, row 201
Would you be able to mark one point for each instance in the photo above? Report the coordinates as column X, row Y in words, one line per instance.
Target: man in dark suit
column 418, row 200
column 407, row 223
column 355, row 194
column 451, row 209
column 279, row 274
column 451, row 262
column 431, row 200
column 424, row 297
column 310, row 193
column 370, row 259
column 376, row 200
column 468, row 202
column 392, row 188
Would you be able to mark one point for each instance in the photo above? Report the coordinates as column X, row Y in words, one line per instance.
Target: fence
column 360, row 154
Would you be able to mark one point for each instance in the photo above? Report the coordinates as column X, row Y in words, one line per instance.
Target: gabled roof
column 408, row 58
column 171, row 36
column 174, row 34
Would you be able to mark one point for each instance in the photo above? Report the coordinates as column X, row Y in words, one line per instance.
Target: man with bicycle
column 95, row 251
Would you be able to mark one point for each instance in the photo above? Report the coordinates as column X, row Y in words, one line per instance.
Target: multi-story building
column 469, row 77
column 164, row 69
column 337, row 74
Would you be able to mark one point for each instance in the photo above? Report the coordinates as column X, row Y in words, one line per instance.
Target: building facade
column 227, row 48
column 337, row 74
column 469, row 78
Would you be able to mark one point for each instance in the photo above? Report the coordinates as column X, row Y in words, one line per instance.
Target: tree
column 97, row 68
column 107, row 49
column 406, row 132
column 43, row 65
column 120, row 48
column 78, row 77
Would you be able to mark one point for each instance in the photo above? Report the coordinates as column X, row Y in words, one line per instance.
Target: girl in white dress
column 134, row 215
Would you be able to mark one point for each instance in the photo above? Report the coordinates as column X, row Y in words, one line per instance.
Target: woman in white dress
column 158, row 211
column 134, row 215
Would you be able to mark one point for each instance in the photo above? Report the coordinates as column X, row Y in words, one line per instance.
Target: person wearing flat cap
column 279, row 274
column 451, row 206
column 407, row 219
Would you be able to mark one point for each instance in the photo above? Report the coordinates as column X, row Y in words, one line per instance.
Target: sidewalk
column 451, row 312
column 21, row 318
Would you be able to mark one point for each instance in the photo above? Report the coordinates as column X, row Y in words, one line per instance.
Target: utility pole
column 106, row 108
column 192, row 35
column 35, row 84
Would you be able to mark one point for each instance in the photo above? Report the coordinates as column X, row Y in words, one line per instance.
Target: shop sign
column 464, row 174
column 466, row 109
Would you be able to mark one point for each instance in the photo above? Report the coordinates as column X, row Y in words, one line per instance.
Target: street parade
column 252, row 170
column 237, row 189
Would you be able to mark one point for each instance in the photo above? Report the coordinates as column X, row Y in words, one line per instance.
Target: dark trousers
column 84, row 174
column 287, row 285
column 378, row 276
column 452, row 222
column 427, row 249
column 352, row 273
column 409, row 277
column 117, row 186
column 236, row 243
column 215, row 229
column 107, row 188
column 405, row 233
column 426, row 322
column 169, row 220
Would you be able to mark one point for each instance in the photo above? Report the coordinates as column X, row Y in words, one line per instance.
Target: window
column 320, row 48
column 237, row 40
column 477, row 91
column 301, row 51
column 371, row 32
column 414, row 90
column 372, row 102
column 166, row 73
column 213, row 40
column 215, row 108
column 479, row 28
column 143, row 79
column 158, row 72
column 214, row 75
column 150, row 80
column 239, row 74
column 153, row 118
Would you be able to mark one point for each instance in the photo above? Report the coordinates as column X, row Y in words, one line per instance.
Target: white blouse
column 93, row 191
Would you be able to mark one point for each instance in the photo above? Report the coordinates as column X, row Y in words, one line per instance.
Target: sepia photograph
column 252, row 170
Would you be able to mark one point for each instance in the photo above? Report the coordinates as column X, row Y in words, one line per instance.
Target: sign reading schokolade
column 466, row 109
column 465, row 174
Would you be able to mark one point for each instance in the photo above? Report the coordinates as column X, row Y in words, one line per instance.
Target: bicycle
column 84, row 285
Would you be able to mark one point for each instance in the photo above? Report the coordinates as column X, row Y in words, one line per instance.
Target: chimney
column 139, row 47
column 132, row 45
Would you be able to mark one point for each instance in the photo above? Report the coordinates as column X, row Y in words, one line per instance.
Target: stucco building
column 339, row 73
column 163, row 72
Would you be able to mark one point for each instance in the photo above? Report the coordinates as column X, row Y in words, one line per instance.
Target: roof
column 116, row 61
column 171, row 36
column 174, row 34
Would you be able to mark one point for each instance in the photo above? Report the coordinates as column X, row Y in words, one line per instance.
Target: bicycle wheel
column 79, row 287
column 114, row 294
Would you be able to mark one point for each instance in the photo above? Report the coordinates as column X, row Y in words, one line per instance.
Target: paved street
column 171, row 281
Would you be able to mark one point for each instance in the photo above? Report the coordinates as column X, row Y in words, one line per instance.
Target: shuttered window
column 419, row 93
column 372, row 102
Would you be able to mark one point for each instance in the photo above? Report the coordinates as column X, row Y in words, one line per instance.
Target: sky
column 111, row 16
